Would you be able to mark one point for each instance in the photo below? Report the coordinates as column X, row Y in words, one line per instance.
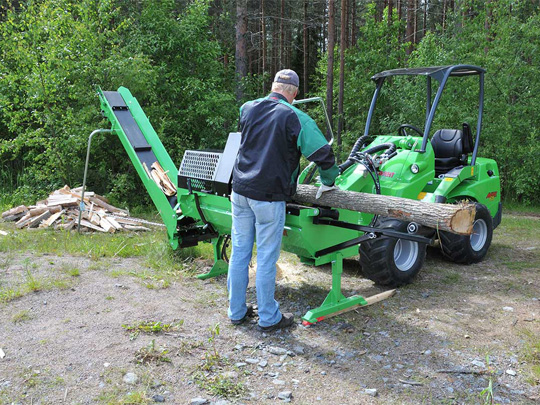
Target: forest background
column 191, row 64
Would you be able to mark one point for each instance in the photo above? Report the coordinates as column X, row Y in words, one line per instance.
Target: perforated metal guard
column 199, row 165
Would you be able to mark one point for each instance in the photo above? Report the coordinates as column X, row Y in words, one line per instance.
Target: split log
column 113, row 222
column 35, row 221
column 21, row 223
column 63, row 200
column 162, row 180
column 21, row 209
column 108, row 207
column 90, row 225
column 456, row 218
column 52, row 219
column 40, row 210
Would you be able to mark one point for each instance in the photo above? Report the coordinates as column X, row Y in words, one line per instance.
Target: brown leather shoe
column 287, row 320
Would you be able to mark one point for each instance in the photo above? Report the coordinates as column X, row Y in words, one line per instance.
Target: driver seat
column 452, row 148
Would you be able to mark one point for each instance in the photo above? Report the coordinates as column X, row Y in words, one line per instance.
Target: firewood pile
column 61, row 211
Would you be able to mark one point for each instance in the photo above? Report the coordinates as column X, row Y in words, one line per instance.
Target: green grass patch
column 151, row 327
column 220, row 386
column 21, row 316
column 152, row 354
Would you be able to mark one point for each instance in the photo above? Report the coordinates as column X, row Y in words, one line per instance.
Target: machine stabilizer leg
column 220, row 265
column 335, row 302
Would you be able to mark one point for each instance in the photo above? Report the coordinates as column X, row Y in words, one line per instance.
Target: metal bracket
column 81, row 206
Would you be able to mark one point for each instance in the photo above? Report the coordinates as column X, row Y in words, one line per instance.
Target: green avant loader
column 438, row 166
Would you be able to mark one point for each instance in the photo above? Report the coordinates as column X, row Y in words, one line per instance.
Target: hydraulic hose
column 389, row 147
column 356, row 147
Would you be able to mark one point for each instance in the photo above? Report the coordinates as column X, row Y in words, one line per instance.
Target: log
column 21, row 209
column 37, row 220
column 52, row 219
column 455, row 218
column 108, row 207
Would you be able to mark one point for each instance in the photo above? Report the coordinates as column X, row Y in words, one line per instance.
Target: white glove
column 323, row 189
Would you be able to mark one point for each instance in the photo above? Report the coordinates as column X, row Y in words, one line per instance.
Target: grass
column 152, row 354
column 151, row 327
column 21, row 316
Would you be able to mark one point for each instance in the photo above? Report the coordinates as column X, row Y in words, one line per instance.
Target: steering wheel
column 403, row 132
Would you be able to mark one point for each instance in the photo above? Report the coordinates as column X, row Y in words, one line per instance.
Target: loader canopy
column 441, row 74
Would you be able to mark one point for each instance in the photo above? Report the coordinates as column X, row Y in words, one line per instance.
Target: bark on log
column 455, row 218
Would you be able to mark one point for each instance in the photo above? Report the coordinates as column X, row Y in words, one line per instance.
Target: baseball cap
column 287, row 76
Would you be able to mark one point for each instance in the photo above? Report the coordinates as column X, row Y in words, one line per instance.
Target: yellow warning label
column 448, row 179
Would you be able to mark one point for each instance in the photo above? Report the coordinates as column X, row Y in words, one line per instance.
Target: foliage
column 176, row 57
column 508, row 50
column 53, row 56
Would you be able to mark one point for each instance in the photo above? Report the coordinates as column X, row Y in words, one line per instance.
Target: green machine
column 441, row 168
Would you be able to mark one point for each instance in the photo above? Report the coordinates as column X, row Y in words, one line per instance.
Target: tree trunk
column 305, row 45
column 282, row 37
column 415, row 29
column 455, row 218
column 341, row 74
column 354, row 28
column 264, row 43
column 390, row 5
column 240, row 54
column 409, row 33
column 330, row 72
column 444, row 15
column 425, row 18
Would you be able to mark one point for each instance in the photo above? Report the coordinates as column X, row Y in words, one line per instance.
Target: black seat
column 451, row 147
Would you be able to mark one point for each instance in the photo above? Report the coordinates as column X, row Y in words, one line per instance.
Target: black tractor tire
column 468, row 249
column 389, row 261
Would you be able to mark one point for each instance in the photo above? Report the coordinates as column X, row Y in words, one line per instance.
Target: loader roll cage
column 441, row 74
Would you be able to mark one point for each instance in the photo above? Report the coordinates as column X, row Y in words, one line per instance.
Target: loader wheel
column 389, row 261
column 468, row 249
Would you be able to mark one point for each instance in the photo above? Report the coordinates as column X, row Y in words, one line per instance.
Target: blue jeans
column 263, row 220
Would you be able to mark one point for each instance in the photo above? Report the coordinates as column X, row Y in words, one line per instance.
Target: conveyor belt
column 133, row 133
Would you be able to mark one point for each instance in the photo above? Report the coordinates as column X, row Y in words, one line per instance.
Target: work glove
column 323, row 189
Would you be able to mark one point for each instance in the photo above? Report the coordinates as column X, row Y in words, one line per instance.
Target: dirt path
column 439, row 340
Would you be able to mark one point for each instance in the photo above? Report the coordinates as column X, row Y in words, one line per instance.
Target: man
column 274, row 135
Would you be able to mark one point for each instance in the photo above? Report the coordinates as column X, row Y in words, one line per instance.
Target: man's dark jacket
column 274, row 136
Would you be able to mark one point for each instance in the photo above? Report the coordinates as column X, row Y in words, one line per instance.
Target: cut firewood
column 35, row 221
column 161, row 178
column 40, row 210
column 52, row 219
column 90, row 225
column 21, row 209
column 455, row 218
column 21, row 223
column 108, row 207
column 64, row 201
column 13, row 218
column 107, row 225
column 113, row 222
column 61, row 211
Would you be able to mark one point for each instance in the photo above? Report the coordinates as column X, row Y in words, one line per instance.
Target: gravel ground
column 443, row 339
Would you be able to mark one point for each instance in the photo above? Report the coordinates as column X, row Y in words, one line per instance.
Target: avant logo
column 386, row 174
column 492, row 195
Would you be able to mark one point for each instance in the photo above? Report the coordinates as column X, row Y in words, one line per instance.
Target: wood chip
column 3, row 233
